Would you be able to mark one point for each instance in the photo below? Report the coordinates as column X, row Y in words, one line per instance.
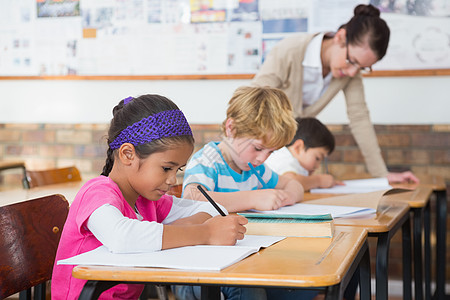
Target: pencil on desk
column 252, row 168
column 211, row 200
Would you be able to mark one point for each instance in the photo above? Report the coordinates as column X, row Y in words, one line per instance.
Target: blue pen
column 252, row 168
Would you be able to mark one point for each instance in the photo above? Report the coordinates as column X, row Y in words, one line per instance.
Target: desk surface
column 293, row 262
column 68, row 190
column 388, row 214
column 436, row 183
column 415, row 198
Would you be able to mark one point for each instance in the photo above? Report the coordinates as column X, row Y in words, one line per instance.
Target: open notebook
column 356, row 186
column 201, row 257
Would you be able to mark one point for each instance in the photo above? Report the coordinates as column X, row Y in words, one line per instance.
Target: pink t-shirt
column 77, row 239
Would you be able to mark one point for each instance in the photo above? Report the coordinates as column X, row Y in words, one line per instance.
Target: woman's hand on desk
column 226, row 230
column 407, row 176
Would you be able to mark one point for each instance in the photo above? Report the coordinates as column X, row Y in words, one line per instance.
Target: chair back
column 53, row 176
column 176, row 190
column 6, row 165
column 29, row 234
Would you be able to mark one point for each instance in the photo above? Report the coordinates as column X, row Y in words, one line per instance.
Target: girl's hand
column 226, row 230
column 270, row 199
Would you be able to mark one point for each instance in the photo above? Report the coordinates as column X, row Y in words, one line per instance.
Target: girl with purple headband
column 126, row 209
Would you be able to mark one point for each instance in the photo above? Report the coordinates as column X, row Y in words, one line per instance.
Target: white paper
column 336, row 211
column 201, row 257
column 356, row 186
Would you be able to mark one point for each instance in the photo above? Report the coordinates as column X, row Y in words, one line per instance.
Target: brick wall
column 425, row 149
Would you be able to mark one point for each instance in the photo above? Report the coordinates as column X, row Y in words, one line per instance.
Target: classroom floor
column 172, row 297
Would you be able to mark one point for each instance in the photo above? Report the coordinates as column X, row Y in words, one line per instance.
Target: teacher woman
column 312, row 68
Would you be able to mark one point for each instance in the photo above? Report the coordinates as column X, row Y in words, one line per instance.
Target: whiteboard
column 195, row 37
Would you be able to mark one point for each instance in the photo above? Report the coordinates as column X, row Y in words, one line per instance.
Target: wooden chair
column 176, row 190
column 6, row 165
column 29, row 234
column 52, row 176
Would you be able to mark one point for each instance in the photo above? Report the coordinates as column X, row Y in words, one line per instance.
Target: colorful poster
column 57, row 8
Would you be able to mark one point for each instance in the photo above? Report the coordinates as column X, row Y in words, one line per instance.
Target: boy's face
column 311, row 158
column 245, row 150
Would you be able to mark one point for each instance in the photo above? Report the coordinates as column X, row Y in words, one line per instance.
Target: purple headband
column 127, row 100
column 163, row 124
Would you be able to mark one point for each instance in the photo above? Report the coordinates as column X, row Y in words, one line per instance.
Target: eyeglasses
column 348, row 61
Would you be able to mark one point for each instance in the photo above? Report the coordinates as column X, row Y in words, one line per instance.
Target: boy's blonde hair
column 262, row 113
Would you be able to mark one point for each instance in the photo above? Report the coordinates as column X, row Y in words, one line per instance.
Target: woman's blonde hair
column 262, row 113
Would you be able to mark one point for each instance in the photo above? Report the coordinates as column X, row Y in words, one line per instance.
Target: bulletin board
column 199, row 39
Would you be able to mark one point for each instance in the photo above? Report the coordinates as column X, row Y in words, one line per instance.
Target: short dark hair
column 314, row 134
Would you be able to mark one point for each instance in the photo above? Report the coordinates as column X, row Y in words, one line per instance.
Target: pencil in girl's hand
column 211, row 200
column 252, row 168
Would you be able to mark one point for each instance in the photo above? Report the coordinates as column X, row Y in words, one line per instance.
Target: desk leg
column 406, row 250
column 427, row 250
column 364, row 275
column 441, row 226
column 210, row 292
column 417, row 233
column 333, row 292
column 381, row 271
column 92, row 289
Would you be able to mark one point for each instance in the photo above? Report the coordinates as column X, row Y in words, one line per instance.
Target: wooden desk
column 68, row 190
column 389, row 218
column 418, row 201
column 311, row 263
column 437, row 184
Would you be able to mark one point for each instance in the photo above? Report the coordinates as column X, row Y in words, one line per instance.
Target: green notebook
column 289, row 225
column 285, row 218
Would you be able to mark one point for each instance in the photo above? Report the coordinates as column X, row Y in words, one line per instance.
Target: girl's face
column 347, row 60
column 245, row 150
column 157, row 172
column 311, row 158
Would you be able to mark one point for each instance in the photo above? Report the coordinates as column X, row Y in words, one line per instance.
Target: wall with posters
column 181, row 37
column 168, row 37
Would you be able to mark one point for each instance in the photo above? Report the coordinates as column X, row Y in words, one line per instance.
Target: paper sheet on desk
column 336, row 211
column 356, row 186
column 201, row 257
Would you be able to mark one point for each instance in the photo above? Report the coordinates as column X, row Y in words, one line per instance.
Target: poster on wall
column 420, row 34
column 183, row 37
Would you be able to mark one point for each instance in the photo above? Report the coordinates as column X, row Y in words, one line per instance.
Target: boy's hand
column 327, row 181
column 270, row 199
column 226, row 230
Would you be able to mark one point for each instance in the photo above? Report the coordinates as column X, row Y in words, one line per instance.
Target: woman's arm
column 362, row 128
